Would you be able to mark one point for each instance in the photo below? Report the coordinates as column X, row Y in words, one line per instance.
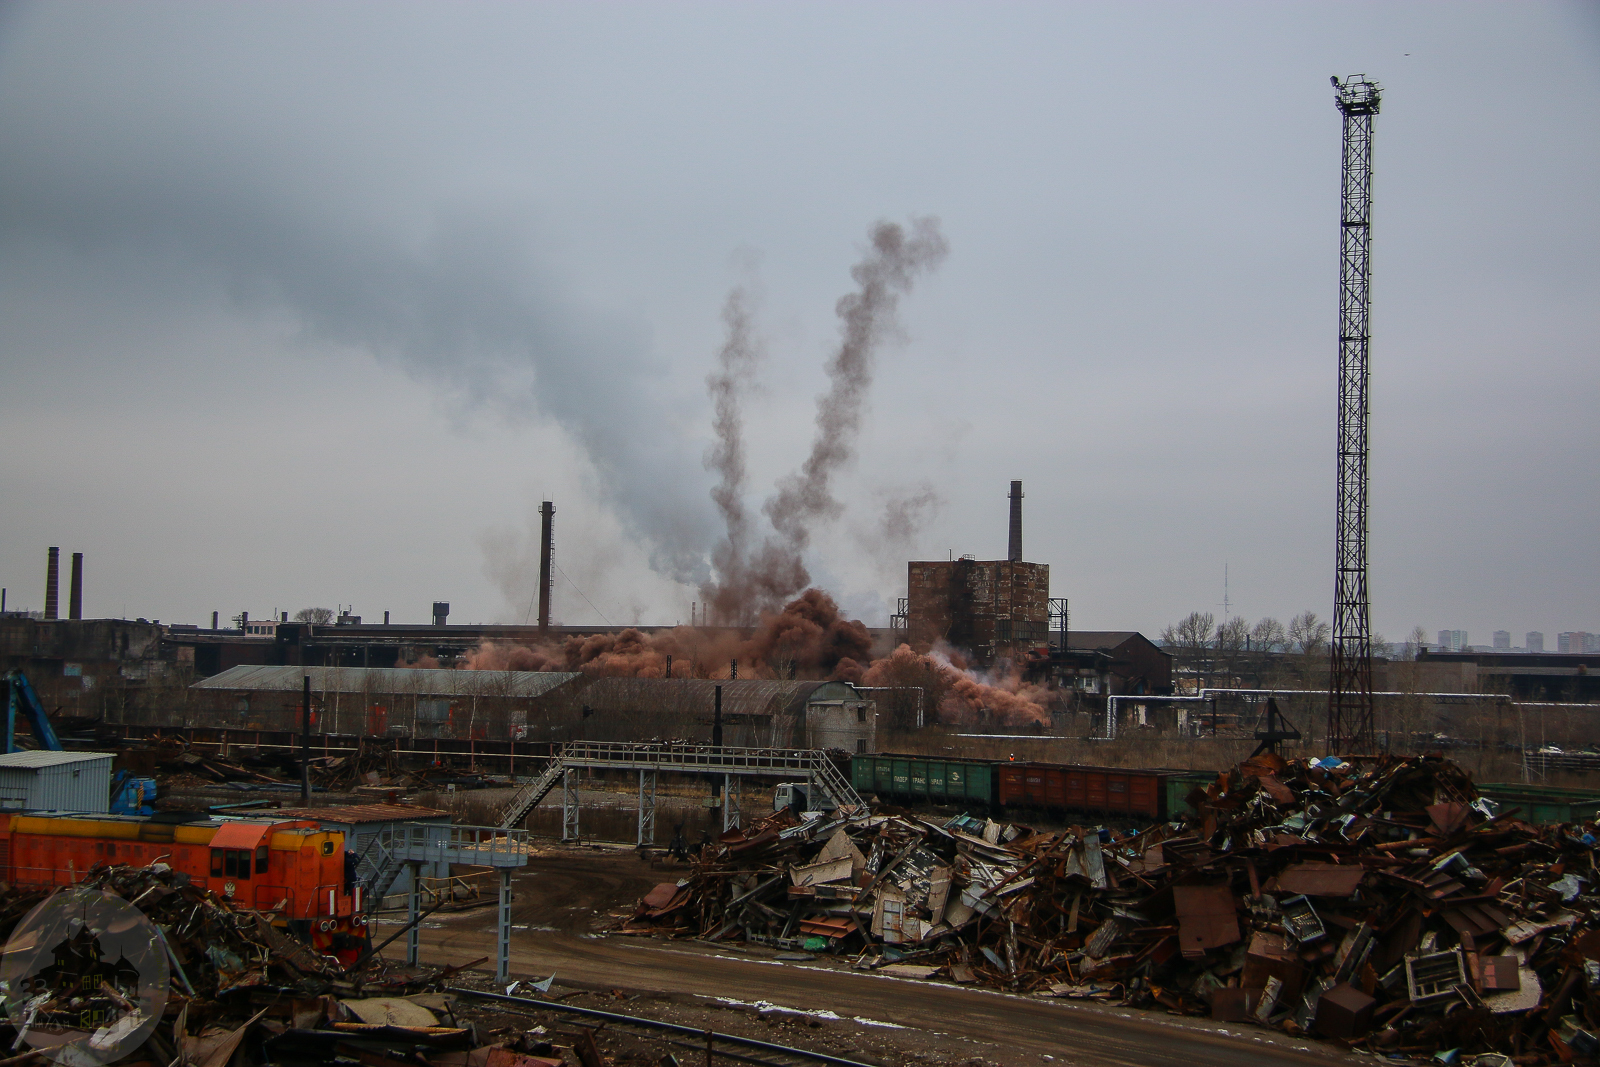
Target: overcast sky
column 312, row 304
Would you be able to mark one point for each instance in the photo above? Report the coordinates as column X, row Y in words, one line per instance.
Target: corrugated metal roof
column 696, row 696
column 390, row 680
column 45, row 758
column 360, row 813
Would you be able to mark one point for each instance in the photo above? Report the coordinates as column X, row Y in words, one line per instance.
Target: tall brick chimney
column 1014, row 553
column 52, row 584
column 75, row 590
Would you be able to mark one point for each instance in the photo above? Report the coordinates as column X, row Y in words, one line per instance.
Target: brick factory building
column 993, row 609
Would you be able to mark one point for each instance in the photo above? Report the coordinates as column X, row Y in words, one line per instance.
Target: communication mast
column 1350, row 720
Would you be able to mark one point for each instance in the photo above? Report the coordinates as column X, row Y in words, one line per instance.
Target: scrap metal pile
column 1385, row 906
column 240, row 990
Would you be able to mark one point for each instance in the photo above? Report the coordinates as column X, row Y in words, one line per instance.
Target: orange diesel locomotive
column 292, row 870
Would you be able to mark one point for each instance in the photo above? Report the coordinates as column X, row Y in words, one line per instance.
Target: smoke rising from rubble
column 750, row 581
column 808, row 638
column 957, row 695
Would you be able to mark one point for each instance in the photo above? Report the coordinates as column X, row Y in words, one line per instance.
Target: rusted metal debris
column 1384, row 906
column 247, row 993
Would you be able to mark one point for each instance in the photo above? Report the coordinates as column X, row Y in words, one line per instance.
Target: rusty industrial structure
column 991, row 609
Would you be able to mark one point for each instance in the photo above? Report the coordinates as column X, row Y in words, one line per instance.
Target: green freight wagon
column 1180, row 784
column 1543, row 803
column 926, row 779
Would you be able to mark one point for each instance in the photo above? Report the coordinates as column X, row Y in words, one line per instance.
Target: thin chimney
column 1014, row 554
column 547, row 515
column 75, row 590
column 52, row 583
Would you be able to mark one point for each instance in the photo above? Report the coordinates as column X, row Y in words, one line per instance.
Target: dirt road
column 565, row 894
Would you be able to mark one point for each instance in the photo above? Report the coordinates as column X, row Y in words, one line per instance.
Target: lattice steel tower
column 1350, row 725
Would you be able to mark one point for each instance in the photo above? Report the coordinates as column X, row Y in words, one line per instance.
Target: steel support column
column 414, row 915
column 503, row 928
column 730, row 802
column 1350, row 720
column 569, row 805
column 647, row 807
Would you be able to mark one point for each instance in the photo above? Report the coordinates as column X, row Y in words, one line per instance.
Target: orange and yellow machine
column 291, row 870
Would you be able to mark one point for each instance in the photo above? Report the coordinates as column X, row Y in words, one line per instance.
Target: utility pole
column 1350, row 719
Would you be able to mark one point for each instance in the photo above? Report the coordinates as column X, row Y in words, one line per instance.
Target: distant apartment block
column 1575, row 641
column 1534, row 642
column 1453, row 640
column 1502, row 640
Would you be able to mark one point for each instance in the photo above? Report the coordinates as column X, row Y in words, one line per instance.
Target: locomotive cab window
column 230, row 863
column 261, row 860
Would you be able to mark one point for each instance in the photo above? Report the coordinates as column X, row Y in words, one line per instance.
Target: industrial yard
column 792, row 535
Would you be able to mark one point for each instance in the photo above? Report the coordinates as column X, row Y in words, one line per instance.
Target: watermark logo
column 84, row 978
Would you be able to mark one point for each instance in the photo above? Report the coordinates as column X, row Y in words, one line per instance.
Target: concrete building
column 756, row 712
column 1534, row 642
column 1574, row 641
column 992, row 609
column 385, row 701
column 1549, row 676
column 1453, row 640
column 1502, row 640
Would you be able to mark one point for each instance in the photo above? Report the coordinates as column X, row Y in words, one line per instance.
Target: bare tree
column 316, row 616
column 1190, row 642
column 1268, row 635
column 1191, row 633
column 1308, row 634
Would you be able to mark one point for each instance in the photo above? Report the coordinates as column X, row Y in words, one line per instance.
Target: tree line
column 1307, row 635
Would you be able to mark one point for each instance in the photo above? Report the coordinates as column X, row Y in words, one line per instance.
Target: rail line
column 770, row 1055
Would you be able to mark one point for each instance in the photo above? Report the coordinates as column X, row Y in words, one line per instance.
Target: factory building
column 990, row 609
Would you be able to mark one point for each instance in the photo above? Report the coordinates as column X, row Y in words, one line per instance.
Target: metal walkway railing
column 813, row 764
column 481, row 846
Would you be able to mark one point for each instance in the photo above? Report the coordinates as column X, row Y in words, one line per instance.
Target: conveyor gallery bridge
column 650, row 760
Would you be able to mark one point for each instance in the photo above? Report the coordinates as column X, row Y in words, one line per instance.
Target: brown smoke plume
column 808, row 638
column 750, row 582
column 959, row 695
column 512, row 656
column 866, row 317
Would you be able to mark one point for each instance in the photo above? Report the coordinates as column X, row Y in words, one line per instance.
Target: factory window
column 861, row 744
column 861, row 713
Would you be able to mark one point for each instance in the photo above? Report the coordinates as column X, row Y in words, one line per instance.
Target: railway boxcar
column 293, row 870
column 1135, row 793
column 922, row 778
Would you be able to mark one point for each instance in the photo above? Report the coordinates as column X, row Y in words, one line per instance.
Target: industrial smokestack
column 52, row 583
column 214, row 620
column 1014, row 553
column 547, row 515
column 75, row 590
